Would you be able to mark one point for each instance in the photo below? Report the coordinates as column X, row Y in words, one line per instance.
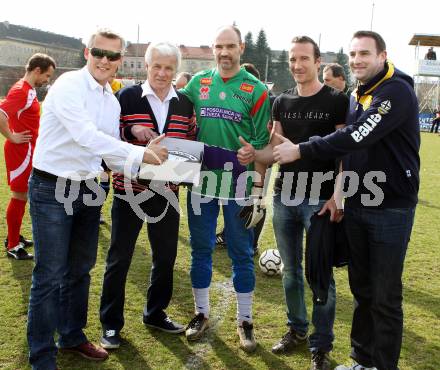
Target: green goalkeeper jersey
column 226, row 110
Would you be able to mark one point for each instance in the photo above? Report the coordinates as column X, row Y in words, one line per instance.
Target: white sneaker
column 355, row 366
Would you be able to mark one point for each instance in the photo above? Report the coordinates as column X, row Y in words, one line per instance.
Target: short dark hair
column 187, row 75
column 380, row 42
column 308, row 40
column 40, row 60
column 249, row 67
column 337, row 70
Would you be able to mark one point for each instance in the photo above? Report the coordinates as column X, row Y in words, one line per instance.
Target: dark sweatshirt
column 381, row 134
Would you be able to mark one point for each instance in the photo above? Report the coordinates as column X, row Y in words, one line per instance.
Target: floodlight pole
column 372, row 16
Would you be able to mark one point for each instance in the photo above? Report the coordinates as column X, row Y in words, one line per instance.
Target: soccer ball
column 270, row 262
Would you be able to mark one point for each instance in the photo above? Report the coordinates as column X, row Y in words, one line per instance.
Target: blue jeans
column 239, row 241
column 289, row 223
column 378, row 241
column 65, row 252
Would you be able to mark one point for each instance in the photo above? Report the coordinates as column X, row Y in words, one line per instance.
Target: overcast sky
column 193, row 23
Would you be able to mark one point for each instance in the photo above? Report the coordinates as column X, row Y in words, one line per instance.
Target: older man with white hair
column 147, row 110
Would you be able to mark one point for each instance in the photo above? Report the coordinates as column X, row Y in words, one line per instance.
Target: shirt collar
column 27, row 83
column 382, row 76
column 239, row 73
column 93, row 84
column 147, row 90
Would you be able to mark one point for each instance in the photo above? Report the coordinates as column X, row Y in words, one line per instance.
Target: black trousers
column 378, row 240
column 163, row 235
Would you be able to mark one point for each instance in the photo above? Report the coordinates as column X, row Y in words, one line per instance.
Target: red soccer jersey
column 22, row 108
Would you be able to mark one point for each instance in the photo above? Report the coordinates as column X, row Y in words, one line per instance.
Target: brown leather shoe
column 89, row 351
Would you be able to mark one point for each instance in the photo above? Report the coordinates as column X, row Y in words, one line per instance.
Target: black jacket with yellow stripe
column 382, row 140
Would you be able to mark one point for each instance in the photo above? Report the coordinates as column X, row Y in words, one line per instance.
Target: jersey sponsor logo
column 385, row 107
column 206, row 81
column 222, row 95
column 368, row 126
column 247, row 88
column 242, row 98
column 204, row 93
column 215, row 112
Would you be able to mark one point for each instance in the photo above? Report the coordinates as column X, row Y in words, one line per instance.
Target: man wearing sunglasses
column 79, row 128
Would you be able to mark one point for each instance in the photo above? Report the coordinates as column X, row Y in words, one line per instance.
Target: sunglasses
column 112, row 56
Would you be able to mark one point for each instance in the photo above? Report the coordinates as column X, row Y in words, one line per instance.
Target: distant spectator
column 431, row 55
column 182, row 79
column 334, row 76
column 436, row 122
column 249, row 67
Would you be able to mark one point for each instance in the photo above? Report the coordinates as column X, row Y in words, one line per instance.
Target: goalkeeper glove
column 254, row 212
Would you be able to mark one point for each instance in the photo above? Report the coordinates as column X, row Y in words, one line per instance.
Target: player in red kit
column 19, row 122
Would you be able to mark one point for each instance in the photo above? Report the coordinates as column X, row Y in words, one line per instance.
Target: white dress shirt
column 159, row 107
column 80, row 127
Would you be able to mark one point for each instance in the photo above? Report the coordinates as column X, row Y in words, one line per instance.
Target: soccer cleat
column 19, row 253
column 110, row 339
column 289, row 341
column 165, row 324
column 196, row 327
column 245, row 332
column 24, row 242
column 320, row 361
column 220, row 239
column 355, row 366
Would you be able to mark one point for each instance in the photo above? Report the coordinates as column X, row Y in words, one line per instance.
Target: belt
column 48, row 176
